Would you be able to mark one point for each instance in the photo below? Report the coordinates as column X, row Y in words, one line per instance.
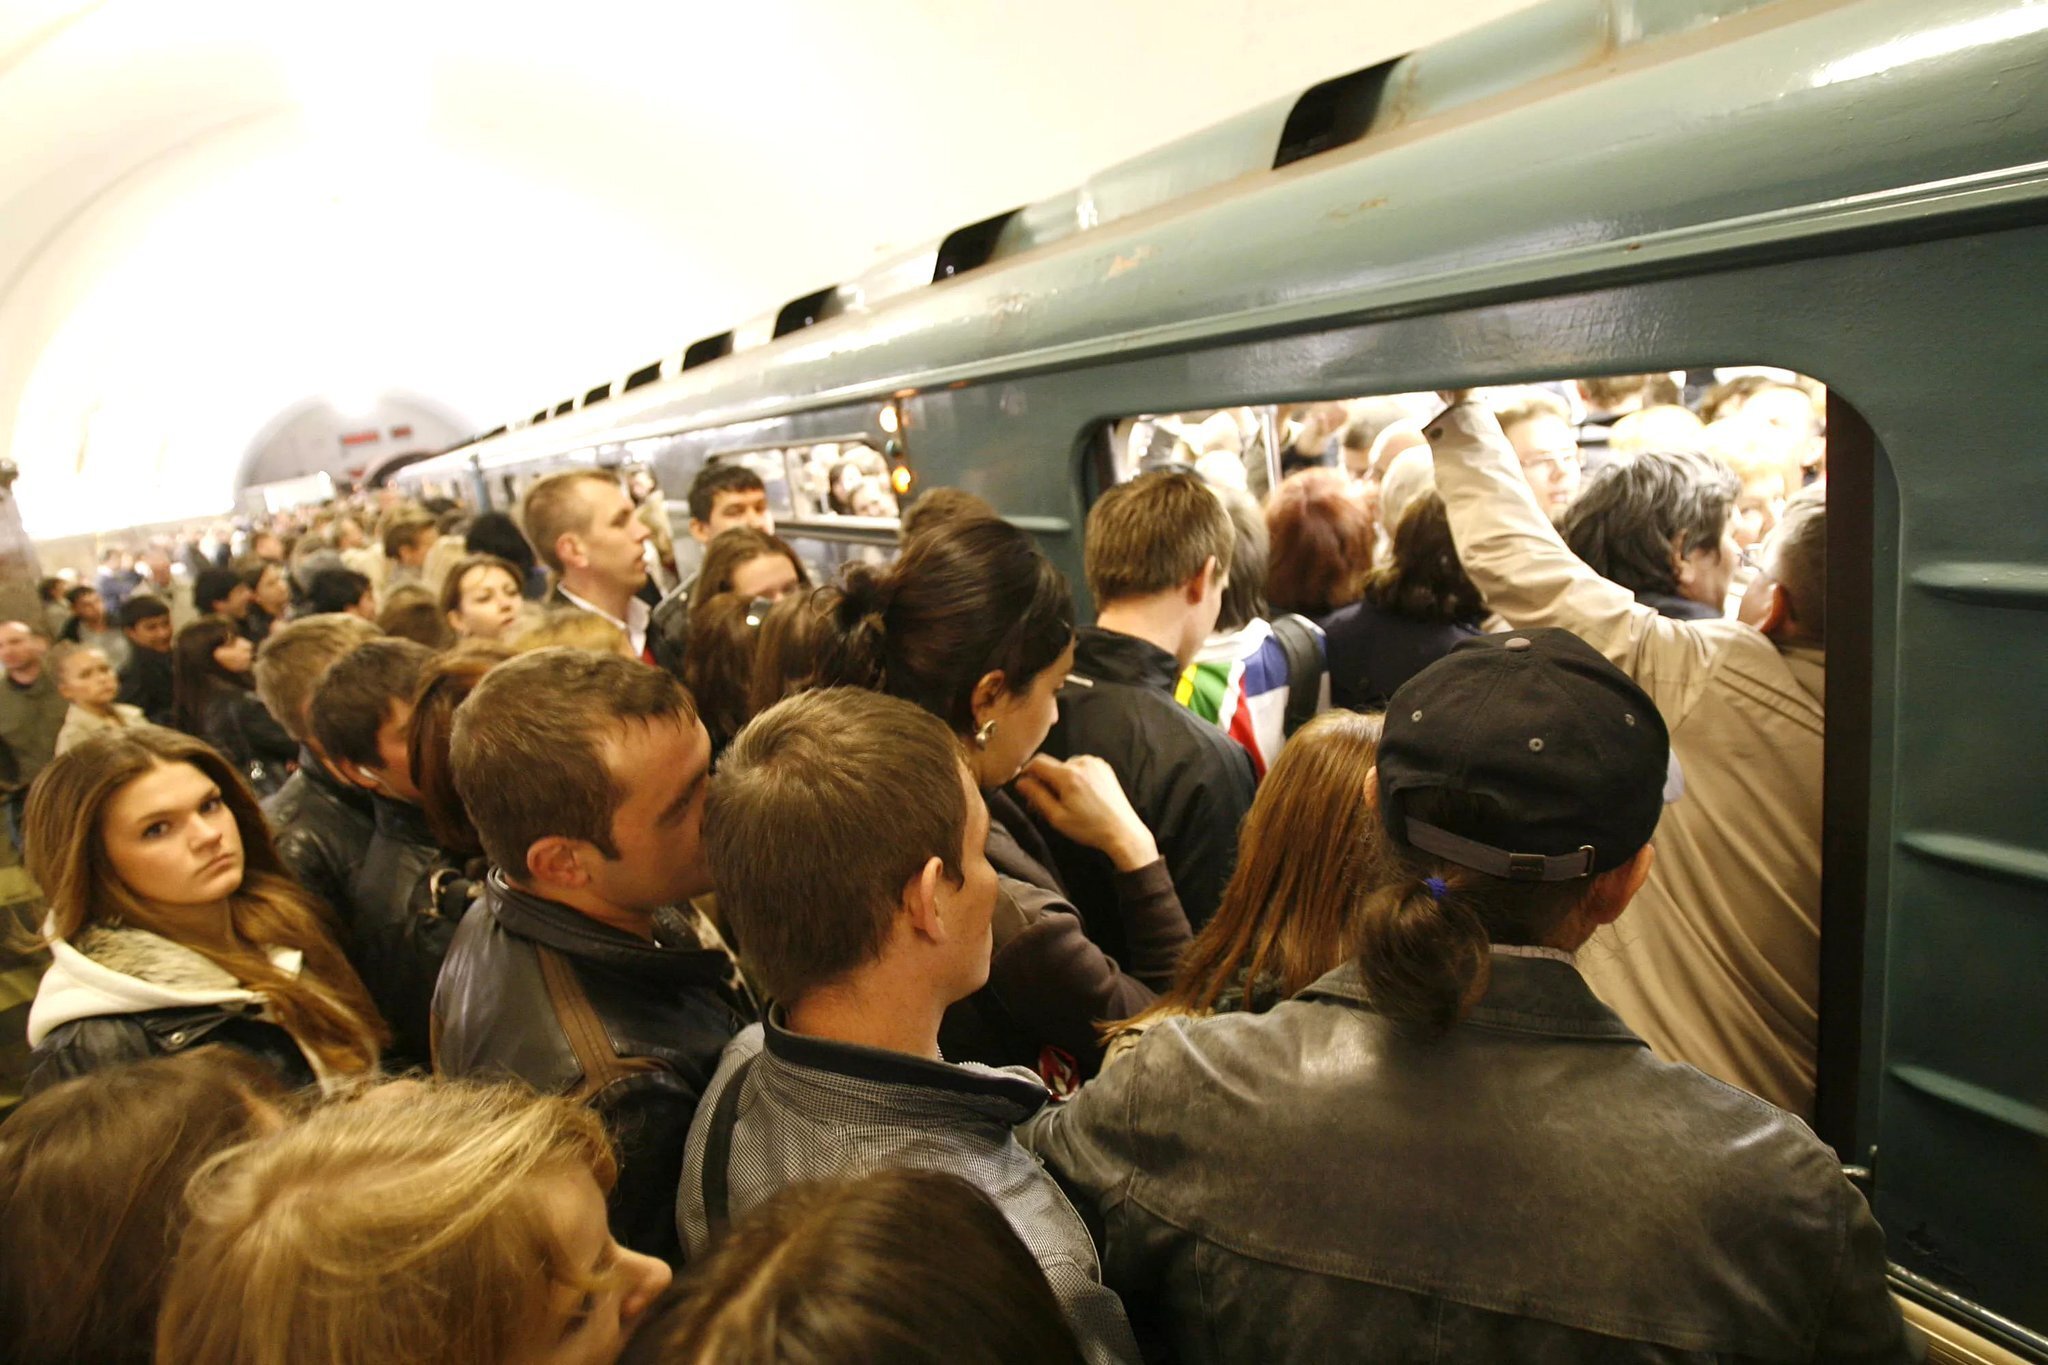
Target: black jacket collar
column 554, row 925
column 403, row 821
column 1523, row 995
column 348, row 794
column 876, row 1066
column 1109, row 656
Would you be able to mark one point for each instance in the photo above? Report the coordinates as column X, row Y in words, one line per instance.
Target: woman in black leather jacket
column 173, row 923
column 214, row 699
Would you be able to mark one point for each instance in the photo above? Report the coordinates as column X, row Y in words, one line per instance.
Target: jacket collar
column 1110, row 656
column 109, row 970
column 317, row 775
column 1535, row 996
column 403, row 821
column 1015, row 1094
column 1678, row 608
column 554, row 925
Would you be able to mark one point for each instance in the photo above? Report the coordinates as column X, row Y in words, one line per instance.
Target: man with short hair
column 221, row 592
column 722, row 496
column 1722, row 966
column 267, row 546
column 399, row 928
column 31, row 712
column 342, row 590
column 146, row 680
column 321, row 820
column 89, row 625
column 583, row 527
column 849, row 845
column 408, row 536
column 1157, row 554
column 583, row 970
column 1663, row 526
column 1448, row 1148
column 1539, row 428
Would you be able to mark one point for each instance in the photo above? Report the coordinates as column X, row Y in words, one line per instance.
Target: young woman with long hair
column 173, row 922
column 1286, row 917
column 974, row 624
column 481, row 597
column 461, row 1224
column 750, row 565
column 214, row 699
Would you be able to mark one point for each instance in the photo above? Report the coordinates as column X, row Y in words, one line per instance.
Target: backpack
column 1302, row 642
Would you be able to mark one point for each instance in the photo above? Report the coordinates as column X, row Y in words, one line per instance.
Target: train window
column 836, row 501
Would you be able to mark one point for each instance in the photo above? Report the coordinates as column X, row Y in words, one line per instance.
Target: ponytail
column 866, row 594
column 1423, row 952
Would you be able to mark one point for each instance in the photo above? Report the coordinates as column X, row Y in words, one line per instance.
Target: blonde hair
column 1666, row 427
column 324, row 1008
column 383, row 1230
column 572, row 628
column 556, row 507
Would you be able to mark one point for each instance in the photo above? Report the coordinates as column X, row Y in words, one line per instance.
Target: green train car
column 1852, row 189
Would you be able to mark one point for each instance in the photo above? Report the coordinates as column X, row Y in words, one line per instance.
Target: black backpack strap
column 718, row 1150
column 1298, row 640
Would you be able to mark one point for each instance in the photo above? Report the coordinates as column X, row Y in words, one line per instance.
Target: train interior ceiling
column 1830, row 213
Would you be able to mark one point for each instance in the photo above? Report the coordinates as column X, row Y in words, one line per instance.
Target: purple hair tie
column 1436, row 886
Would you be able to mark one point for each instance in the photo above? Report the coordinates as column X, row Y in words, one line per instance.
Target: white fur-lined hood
column 118, row 970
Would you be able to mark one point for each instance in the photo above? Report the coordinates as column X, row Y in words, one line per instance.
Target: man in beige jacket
column 1720, row 966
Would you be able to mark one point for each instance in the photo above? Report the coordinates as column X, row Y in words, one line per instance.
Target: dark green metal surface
column 1855, row 191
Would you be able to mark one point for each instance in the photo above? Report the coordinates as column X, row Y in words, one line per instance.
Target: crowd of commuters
column 891, row 966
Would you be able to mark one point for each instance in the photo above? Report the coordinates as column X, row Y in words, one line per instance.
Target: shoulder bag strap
column 718, row 1149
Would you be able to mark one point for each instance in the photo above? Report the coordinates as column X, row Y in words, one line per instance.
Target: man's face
column 968, row 910
column 21, row 649
column 235, row 605
column 664, row 767
column 394, row 753
column 151, row 633
column 1705, row 575
column 732, row 507
column 268, row 546
column 415, row 554
column 89, row 608
column 1549, row 453
column 609, row 548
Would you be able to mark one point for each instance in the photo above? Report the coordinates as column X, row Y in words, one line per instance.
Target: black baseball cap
column 1569, row 759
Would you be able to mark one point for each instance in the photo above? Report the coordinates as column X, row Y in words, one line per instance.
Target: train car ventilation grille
column 1334, row 113
column 801, row 313
column 597, row 395
column 646, row 374
column 707, row 349
column 970, row 246
column 565, row 407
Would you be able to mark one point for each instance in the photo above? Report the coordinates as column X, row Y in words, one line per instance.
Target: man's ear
column 700, row 531
column 921, row 901
column 569, row 550
column 1614, row 890
column 355, row 774
column 1197, row 588
column 1681, row 564
column 1776, row 620
column 557, row 861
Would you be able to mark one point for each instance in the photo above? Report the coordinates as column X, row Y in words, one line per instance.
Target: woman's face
column 1022, row 720
column 488, row 604
column 234, row 654
column 591, row 1328
column 171, row 838
column 765, row 576
column 273, row 593
column 89, row 680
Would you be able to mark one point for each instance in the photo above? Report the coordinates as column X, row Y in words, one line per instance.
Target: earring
column 984, row 734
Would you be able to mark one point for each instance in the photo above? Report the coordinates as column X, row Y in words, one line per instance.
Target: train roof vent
column 494, row 431
column 646, row 374
column 538, row 418
column 565, row 407
column 808, row 311
column 970, row 246
column 707, row 349
column 597, row 395
column 1333, row 113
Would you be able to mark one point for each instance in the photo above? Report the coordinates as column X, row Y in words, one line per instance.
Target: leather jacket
column 322, row 828
column 1049, row 985
column 407, row 898
column 535, row 990
column 1315, row 1183
column 1189, row 782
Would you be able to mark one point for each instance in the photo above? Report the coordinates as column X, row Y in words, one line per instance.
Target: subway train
column 1852, row 189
